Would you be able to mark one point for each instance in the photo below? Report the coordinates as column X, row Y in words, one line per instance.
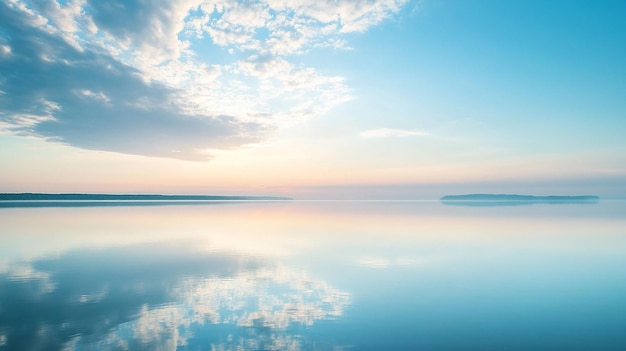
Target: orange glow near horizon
column 261, row 170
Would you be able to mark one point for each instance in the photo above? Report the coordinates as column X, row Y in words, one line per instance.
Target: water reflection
column 314, row 276
column 152, row 297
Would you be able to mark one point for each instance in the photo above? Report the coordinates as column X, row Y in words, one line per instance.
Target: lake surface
column 313, row 276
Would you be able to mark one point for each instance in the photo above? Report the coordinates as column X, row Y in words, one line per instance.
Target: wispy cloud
column 124, row 76
column 388, row 132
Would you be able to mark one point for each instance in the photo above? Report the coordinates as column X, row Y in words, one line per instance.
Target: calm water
column 314, row 276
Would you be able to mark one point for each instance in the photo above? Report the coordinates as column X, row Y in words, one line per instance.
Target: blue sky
column 279, row 96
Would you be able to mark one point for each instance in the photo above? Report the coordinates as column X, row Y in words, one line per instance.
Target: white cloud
column 5, row 50
column 350, row 15
column 246, row 15
column 99, row 96
column 66, row 16
column 152, row 30
column 388, row 132
column 160, row 44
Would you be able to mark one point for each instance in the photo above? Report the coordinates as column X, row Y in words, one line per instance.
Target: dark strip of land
column 129, row 197
column 515, row 197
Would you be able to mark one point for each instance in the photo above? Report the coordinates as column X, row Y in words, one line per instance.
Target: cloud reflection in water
column 150, row 297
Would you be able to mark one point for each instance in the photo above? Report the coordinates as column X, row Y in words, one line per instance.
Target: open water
column 312, row 276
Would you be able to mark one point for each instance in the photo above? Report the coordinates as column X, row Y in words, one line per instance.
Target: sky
column 313, row 98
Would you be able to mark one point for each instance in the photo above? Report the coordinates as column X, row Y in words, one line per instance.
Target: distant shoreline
column 523, row 198
column 131, row 197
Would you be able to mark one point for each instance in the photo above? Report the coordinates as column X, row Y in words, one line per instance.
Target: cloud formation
column 129, row 76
